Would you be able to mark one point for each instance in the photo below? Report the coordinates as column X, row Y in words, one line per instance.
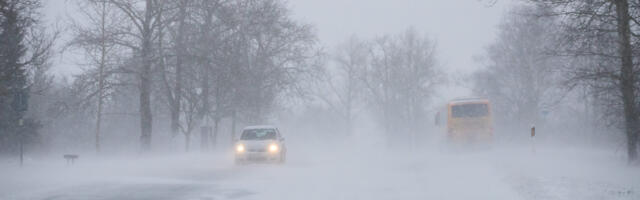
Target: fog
column 299, row 99
column 333, row 172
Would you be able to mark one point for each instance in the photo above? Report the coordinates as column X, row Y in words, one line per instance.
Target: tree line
column 549, row 51
column 197, row 61
column 184, row 66
column 25, row 46
column 391, row 77
column 188, row 63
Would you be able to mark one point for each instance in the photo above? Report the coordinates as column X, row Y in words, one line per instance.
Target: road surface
column 500, row 173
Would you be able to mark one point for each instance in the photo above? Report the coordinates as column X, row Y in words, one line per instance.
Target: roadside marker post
column 533, row 139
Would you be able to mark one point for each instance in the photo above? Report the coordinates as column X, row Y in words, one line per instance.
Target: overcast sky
column 461, row 28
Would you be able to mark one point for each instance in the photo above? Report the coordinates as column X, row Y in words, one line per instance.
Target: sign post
column 533, row 138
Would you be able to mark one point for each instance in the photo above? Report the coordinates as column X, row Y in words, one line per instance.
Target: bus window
column 469, row 110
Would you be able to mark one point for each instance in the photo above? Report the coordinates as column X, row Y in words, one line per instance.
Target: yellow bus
column 469, row 120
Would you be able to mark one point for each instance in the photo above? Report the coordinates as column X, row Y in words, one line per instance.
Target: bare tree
column 343, row 82
column 214, row 30
column 190, row 108
column 172, row 64
column 142, row 17
column 242, row 54
column 591, row 23
column 97, row 37
column 400, row 80
column 277, row 50
column 521, row 76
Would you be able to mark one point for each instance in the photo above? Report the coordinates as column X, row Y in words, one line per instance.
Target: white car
column 260, row 144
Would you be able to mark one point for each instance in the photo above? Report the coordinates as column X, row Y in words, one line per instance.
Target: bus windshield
column 469, row 110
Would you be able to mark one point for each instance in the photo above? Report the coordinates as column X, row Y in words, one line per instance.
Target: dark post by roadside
column 533, row 140
column 533, row 131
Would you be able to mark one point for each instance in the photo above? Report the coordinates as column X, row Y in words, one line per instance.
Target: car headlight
column 240, row 148
column 274, row 148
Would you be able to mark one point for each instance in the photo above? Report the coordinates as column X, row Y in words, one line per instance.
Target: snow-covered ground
column 500, row 173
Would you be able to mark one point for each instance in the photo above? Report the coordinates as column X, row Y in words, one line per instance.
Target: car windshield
column 469, row 110
column 258, row 134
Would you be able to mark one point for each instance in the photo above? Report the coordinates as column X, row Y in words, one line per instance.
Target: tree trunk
column 177, row 89
column 145, row 81
column 349, row 106
column 103, row 52
column 145, row 108
column 627, row 78
column 187, row 141
column 173, row 115
column 214, row 138
column 205, row 135
column 349, row 122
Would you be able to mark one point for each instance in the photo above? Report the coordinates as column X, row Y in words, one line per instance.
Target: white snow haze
column 318, row 99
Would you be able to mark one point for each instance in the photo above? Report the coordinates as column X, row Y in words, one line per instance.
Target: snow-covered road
column 501, row 173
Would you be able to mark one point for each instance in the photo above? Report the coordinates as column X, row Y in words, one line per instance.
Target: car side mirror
column 281, row 139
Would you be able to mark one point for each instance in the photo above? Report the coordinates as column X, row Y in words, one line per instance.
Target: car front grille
column 257, row 150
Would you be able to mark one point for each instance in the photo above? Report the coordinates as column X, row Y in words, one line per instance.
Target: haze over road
column 501, row 173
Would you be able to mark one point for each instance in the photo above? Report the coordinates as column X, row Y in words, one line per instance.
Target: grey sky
column 461, row 27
